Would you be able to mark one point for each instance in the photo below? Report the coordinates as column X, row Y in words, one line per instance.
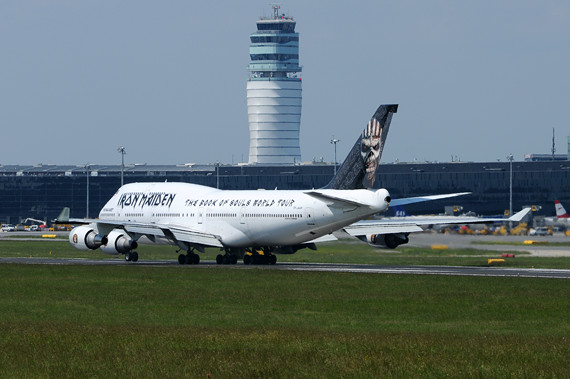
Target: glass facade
column 41, row 193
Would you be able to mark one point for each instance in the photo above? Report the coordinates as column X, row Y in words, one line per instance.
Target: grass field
column 200, row 321
column 134, row 321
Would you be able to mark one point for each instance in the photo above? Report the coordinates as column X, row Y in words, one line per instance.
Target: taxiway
column 323, row 267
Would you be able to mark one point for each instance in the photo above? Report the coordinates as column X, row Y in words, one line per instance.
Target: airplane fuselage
column 241, row 219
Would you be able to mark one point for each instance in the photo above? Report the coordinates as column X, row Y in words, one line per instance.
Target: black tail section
column 359, row 168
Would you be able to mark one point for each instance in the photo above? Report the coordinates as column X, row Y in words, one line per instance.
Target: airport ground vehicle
column 8, row 228
column 540, row 231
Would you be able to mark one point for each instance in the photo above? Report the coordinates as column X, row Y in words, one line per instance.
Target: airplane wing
column 405, row 225
column 174, row 232
column 325, row 238
column 365, row 227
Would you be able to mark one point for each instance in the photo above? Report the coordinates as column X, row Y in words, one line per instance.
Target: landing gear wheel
column 134, row 256
column 128, row 257
column 272, row 259
column 247, row 259
column 190, row 258
column 220, row 259
column 182, row 259
column 233, row 259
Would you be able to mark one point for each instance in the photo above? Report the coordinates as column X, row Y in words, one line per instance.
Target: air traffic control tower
column 274, row 92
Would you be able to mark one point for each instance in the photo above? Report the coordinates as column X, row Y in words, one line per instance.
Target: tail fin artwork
column 399, row 211
column 560, row 211
column 358, row 170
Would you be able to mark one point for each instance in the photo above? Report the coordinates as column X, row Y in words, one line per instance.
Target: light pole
column 334, row 141
column 218, row 175
column 87, row 166
column 122, row 150
column 510, row 158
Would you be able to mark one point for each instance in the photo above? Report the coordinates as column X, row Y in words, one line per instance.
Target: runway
column 316, row 267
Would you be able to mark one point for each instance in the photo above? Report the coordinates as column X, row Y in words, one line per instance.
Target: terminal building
column 41, row 191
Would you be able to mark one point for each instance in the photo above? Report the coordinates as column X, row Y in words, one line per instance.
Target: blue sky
column 475, row 80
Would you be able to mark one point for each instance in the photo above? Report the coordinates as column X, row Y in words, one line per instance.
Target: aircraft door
column 242, row 215
column 309, row 216
column 200, row 215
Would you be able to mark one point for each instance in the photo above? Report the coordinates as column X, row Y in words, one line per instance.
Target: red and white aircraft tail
column 560, row 211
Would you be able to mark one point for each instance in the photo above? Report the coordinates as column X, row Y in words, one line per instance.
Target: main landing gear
column 259, row 257
column 226, row 259
column 132, row 256
column 190, row 258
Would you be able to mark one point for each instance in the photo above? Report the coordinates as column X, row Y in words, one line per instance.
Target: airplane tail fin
column 399, row 211
column 560, row 211
column 359, row 168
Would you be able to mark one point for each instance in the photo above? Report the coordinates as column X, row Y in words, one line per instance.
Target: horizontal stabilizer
column 332, row 200
column 419, row 199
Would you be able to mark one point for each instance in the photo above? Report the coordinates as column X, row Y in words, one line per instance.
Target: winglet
column 517, row 217
column 63, row 216
column 358, row 171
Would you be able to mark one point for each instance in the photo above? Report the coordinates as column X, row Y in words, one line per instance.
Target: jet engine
column 389, row 241
column 86, row 238
column 119, row 242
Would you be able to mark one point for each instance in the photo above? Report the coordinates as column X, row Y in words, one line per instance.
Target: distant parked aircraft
column 562, row 217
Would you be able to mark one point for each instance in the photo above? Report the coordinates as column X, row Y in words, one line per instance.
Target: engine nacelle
column 86, row 238
column 389, row 241
column 119, row 242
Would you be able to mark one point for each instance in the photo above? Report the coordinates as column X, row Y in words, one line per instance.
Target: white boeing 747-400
column 252, row 225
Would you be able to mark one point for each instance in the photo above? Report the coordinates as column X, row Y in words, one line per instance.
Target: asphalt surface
column 545, row 247
column 322, row 267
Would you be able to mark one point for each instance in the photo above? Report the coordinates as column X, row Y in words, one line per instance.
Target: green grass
column 100, row 321
column 337, row 252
